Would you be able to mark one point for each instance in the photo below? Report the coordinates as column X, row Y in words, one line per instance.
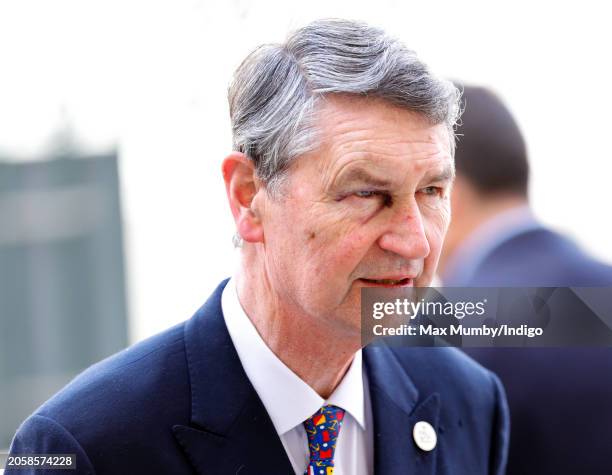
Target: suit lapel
column 395, row 410
column 230, row 430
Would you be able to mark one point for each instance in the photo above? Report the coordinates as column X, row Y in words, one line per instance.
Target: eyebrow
column 447, row 174
column 362, row 175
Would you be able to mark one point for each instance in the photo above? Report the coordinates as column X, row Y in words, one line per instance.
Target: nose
column 405, row 235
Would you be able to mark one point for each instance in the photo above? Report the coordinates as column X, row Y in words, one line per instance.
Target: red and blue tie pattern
column 322, row 430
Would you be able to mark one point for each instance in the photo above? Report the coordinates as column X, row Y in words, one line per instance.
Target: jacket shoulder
column 126, row 399
column 541, row 258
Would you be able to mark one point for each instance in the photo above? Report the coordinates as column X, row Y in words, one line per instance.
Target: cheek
column 435, row 236
column 436, row 225
column 338, row 248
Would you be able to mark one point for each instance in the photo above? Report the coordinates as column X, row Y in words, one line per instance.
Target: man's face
column 369, row 207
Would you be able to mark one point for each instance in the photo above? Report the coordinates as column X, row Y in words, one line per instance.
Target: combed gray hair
column 274, row 95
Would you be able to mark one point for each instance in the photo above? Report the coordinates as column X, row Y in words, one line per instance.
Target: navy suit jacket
column 181, row 403
column 560, row 399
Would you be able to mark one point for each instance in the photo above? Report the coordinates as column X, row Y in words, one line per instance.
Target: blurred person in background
column 560, row 399
column 340, row 179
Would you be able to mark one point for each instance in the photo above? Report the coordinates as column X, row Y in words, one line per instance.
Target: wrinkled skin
column 328, row 230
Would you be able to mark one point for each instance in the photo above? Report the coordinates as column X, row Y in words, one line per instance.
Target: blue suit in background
column 560, row 399
column 181, row 403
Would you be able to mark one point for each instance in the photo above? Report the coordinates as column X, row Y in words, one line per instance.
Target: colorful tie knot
column 322, row 430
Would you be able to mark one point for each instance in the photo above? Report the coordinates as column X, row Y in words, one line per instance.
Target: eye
column 366, row 193
column 432, row 191
column 383, row 195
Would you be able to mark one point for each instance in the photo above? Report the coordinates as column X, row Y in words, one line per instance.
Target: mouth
column 402, row 282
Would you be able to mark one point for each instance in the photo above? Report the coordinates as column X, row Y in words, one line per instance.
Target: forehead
column 374, row 134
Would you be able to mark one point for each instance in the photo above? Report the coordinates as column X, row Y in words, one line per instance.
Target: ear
column 241, row 185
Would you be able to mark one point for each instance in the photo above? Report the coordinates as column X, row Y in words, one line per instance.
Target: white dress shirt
column 289, row 401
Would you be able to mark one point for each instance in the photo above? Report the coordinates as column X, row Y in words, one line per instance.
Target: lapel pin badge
column 424, row 436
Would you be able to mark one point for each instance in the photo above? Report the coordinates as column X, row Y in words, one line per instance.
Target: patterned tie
column 322, row 430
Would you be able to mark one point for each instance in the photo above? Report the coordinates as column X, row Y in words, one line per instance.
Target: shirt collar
column 288, row 400
column 484, row 239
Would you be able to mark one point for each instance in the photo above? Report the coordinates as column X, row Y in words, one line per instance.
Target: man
column 339, row 179
column 559, row 399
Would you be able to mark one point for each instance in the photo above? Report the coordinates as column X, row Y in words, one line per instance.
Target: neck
column 305, row 345
column 475, row 214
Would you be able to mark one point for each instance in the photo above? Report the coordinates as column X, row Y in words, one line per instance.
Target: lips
column 389, row 282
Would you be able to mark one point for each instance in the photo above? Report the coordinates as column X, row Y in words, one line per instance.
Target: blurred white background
column 151, row 78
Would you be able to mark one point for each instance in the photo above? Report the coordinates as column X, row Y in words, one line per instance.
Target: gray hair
column 274, row 95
